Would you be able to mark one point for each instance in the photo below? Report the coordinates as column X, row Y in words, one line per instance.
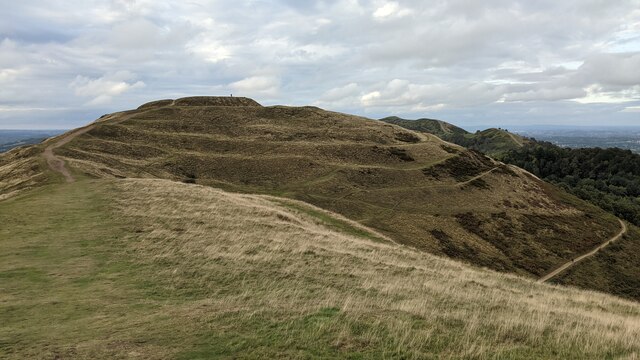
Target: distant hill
column 439, row 128
column 493, row 142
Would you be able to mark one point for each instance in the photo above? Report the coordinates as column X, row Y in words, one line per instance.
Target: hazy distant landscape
column 585, row 137
column 10, row 139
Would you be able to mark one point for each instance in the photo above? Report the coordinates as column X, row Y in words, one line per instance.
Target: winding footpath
column 584, row 256
column 57, row 164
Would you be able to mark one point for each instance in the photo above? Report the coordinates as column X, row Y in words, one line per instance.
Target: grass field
column 159, row 269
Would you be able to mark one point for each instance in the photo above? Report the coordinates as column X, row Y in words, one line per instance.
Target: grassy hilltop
column 413, row 187
column 141, row 256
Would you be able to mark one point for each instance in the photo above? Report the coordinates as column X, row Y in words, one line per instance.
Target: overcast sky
column 470, row 62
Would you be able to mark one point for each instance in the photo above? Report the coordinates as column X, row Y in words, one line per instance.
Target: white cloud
column 7, row 75
column 102, row 90
column 562, row 93
column 595, row 94
column 340, row 93
column 256, row 85
column 371, row 99
column 390, row 10
column 209, row 50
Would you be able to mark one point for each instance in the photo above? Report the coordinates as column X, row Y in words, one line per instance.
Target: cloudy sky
column 493, row 62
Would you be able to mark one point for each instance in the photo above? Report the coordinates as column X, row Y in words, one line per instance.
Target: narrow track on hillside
column 575, row 261
column 515, row 139
column 57, row 164
column 441, row 123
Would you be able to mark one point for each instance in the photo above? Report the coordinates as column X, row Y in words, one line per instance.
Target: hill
column 412, row 187
column 610, row 179
column 493, row 142
column 439, row 128
column 158, row 269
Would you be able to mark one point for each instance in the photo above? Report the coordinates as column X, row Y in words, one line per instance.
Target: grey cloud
column 617, row 70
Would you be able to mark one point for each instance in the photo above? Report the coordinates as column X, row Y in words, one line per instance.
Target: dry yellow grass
column 20, row 169
column 282, row 265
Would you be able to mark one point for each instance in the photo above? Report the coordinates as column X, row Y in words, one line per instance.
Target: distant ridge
column 493, row 142
column 202, row 101
column 432, row 126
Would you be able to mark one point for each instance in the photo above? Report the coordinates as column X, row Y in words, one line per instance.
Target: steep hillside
column 615, row 269
column 155, row 269
column 493, row 142
column 608, row 178
column 22, row 168
column 413, row 187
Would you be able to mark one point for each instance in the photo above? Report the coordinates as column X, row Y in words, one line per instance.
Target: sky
column 469, row 62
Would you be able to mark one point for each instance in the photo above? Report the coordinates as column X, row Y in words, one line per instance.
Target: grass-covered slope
column 155, row 269
column 20, row 169
column 493, row 142
column 439, row 128
column 413, row 187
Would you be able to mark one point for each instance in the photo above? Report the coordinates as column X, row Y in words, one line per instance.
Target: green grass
column 57, row 267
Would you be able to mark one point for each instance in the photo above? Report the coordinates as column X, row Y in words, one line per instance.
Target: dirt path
column 57, row 164
column 444, row 130
column 515, row 139
column 584, row 256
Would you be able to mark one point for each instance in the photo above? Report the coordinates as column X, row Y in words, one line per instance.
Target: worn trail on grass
column 514, row 138
column 57, row 164
column 584, row 256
